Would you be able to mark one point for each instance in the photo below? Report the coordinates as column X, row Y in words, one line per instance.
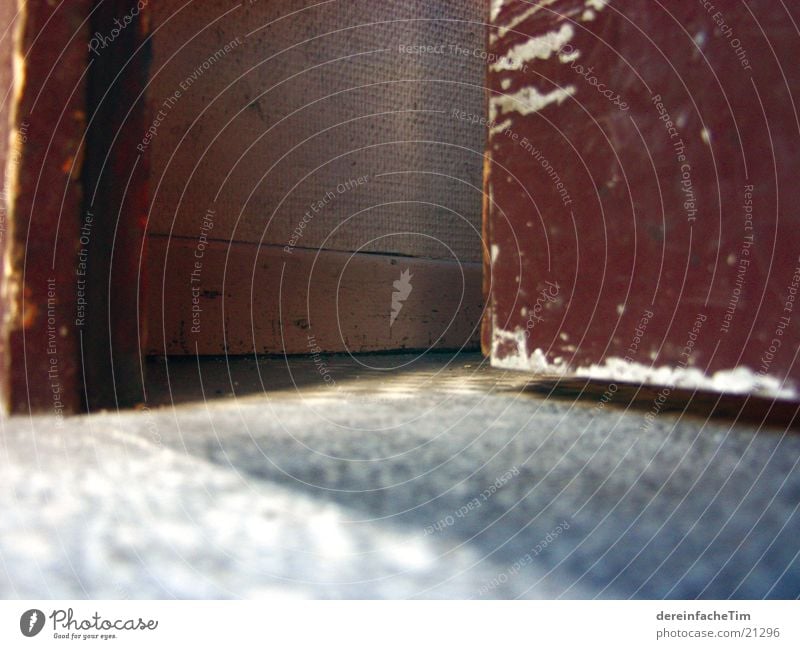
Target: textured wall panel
column 306, row 98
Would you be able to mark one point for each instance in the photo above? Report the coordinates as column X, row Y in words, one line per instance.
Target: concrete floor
column 394, row 477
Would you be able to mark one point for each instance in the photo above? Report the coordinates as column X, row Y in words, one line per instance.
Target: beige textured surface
column 243, row 299
column 311, row 96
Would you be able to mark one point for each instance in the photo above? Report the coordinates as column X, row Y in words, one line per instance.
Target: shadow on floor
column 178, row 380
column 182, row 379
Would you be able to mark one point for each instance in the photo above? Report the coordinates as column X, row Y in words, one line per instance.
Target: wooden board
column 384, row 163
column 43, row 111
column 641, row 195
column 209, row 297
column 766, row 412
column 73, row 205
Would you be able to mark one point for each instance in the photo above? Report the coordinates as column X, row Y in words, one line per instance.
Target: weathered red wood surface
column 45, row 99
column 73, row 203
column 211, row 297
column 641, row 196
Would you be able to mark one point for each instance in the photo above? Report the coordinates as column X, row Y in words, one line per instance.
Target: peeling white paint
column 527, row 100
column 588, row 15
column 741, row 380
column 505, row 84
column 518, row 20
column 563, row 57
column 537, row 47
column 521, row 360
column 500, row 128
column 495, row 8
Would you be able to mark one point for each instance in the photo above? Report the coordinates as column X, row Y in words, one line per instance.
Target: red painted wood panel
column 641, row 200
column 73, row 204
column 46, row 103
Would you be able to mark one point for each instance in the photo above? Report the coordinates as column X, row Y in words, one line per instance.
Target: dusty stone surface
column 433, row 480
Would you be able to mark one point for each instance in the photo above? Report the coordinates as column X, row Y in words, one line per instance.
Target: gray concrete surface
column 428, row 478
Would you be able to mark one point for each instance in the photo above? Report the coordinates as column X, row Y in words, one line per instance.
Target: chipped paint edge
column 536, row 47
column 526, row 101
column 739, row 381
column 11, row 280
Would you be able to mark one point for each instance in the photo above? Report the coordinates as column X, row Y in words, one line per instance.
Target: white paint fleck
column 620, row 309
column 588, row 15
column 537, row 47
column 564, row 336
column 597, row 5
column 495, row 252
column 500, row 128
column 527, row 100
column 705, row 135
column 741, row 380
column 505, row 84
column 495, row 8
column 567, row 58
column 700, row 39
column 518, row 20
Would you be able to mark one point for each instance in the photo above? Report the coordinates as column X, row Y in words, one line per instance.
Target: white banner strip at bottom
column 386, row 625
